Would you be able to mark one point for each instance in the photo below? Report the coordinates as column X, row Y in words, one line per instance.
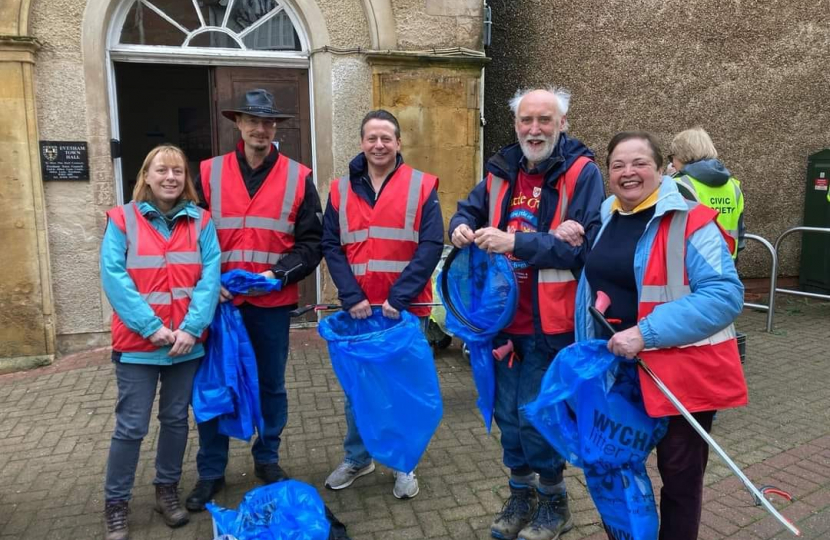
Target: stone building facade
column 754, row 74
column 122, row 75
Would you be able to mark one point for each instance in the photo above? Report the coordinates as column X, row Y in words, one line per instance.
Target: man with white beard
column 539, row 204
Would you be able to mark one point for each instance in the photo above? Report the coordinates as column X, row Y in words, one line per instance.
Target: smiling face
column 379, row 143
column 538, row 124
column 166, row 179
column 256, row 132
column 633, row 172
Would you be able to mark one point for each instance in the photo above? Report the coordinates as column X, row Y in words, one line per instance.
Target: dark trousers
column 137, row 385
column 682, row 456
column 268, row 330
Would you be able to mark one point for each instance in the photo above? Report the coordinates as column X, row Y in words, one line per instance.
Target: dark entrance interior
column 180, row 104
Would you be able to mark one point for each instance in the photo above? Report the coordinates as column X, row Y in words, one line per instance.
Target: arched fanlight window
column 253, row 25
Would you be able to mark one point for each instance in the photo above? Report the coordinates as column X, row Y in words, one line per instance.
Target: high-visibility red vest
column 705, row 375
column 556, row 287
column 255, row 233
column 380, row 241
column 164, row 271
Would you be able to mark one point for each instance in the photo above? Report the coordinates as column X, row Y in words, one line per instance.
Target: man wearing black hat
column 268, row 218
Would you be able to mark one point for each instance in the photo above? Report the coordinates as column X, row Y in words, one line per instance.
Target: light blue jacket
column 717, row 293
column 135, row 312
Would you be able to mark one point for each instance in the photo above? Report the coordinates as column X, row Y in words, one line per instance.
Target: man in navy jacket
column 521, row 209
column 379, row 198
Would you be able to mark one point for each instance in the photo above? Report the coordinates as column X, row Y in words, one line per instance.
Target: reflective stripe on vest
column 675, row 265
column 407, row 233
column 282, row 224
column 136, row 261
column 250, row 255
column 375, row 265
column 496, row 186
column 165, row 298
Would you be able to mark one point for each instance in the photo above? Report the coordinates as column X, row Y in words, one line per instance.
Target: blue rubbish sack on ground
column 289, row 510
column 387, row 371
column 480, row 293
column 227, row 385
column 590, row 409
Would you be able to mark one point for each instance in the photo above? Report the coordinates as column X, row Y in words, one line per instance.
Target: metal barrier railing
column 773, row 282
column 774, row 256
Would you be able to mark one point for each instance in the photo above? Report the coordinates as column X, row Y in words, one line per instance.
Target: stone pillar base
column 23, row 363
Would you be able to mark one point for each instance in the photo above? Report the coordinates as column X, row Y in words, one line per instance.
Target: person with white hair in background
column 539, row 203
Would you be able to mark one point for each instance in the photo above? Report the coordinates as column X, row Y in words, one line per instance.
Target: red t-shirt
column 523, row 215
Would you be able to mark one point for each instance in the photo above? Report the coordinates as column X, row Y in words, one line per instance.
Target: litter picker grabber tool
column 758, row 494
column 335, row 307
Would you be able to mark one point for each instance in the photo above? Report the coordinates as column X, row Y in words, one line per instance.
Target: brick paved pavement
column 55, row 425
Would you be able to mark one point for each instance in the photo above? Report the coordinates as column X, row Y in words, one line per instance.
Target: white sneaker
column 406, row 485
column 346, row 473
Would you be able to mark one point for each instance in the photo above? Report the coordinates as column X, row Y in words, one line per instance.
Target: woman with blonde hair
column 160, row 271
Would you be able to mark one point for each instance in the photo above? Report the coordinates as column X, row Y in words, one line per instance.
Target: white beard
column 537, row 155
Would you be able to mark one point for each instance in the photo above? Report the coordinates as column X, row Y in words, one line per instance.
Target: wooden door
column 290, row 90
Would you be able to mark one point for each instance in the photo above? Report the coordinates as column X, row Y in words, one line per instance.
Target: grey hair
column 561, row 94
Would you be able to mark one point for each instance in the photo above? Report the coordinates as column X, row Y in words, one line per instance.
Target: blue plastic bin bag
column 590, row 409
column 386, row 369
column 240, row 281
column 289, row 510
column 227, row 384
column 481, row 299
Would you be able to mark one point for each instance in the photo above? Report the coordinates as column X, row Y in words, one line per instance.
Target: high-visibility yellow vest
column 727, row 199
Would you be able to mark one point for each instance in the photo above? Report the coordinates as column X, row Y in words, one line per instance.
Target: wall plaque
column 64, row 160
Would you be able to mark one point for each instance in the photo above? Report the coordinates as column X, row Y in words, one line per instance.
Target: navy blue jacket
column 541, row 249
column 417, row 273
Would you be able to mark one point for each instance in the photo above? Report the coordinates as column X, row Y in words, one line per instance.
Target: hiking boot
column 406, row 485
column 169, row 505
column 551, row 519
column 515, row 513
column 346, row 473
column 203, row 493
column 115, row 517
column 270, row 473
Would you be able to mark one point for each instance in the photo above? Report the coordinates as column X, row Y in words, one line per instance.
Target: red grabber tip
column 603, row 301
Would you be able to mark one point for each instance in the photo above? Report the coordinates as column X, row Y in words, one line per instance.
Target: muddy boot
column 515, row 513
column 169, row 505
column 552, row 518
column 115, row 517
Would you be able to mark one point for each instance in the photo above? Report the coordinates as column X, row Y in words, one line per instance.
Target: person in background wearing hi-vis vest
column 703, row 178
column 383, row 236
column 160, row 272
column 268, row 220
column 540, row 196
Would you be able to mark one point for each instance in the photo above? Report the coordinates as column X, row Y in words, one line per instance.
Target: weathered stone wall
column 75, row 210
column 423, row 24
column 754, row 74
column 438, row 109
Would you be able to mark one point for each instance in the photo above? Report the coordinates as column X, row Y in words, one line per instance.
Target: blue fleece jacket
column 717, row 293
column 417, row 273
column 134, row 311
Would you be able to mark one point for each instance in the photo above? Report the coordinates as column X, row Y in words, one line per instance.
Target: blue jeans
column 355, row 450
column 136, row 393
column 525, row 450
column 268, row 330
